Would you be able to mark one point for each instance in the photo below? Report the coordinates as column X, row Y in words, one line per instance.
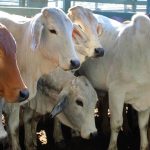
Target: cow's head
column 52, row 31
column 87, row 31
column 77, row 101
column 12, row 87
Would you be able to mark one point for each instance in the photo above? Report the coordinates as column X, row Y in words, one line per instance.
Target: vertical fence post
column 66, row 5
column 37, row 3
column 22, row 3
column 134, row 5
column 148, row 7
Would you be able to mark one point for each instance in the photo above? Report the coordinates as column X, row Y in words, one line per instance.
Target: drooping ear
column 36, row 32
column 60, row 106
column 78, row 35
column 99, row 29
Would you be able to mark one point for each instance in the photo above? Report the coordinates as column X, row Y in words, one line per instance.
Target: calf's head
column 77, row 101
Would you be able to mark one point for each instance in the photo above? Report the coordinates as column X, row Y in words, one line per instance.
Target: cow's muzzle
column 99, row 52
column 75, row 64
column 23, row 95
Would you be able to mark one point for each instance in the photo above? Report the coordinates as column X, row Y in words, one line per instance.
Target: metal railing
column 125, row 8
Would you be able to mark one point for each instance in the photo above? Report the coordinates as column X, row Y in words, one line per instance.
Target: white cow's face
column 76, row 99
column 89, row 45
column 56, row 41
column 79, row 112
column 58, row 30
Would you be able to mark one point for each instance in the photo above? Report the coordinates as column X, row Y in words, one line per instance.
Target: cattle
column 73, row 96
column 124, row 72
column 44, row 42
column 12, row 87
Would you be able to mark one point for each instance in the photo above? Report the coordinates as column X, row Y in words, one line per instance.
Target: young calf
column 74, row 96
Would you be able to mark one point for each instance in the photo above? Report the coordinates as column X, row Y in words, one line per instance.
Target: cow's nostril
column 24, row 94
column 99, row 52
column 75, row 64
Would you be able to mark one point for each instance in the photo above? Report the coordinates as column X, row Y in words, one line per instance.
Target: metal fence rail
column 9, row 3
column 124, row 8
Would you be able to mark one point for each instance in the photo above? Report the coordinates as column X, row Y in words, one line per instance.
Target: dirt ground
column 128, row 139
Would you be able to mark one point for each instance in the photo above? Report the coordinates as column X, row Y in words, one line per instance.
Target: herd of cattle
column 37, row 54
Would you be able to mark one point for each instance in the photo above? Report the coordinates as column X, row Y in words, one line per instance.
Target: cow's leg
column 143, row 118
column 3, row 133
column 33, row 127
column 57, row 134
column 116, row 103
column 27, row 119
column 13, row 125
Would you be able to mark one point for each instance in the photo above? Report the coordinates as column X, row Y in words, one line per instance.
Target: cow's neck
column 33, row 66
column 110, row 31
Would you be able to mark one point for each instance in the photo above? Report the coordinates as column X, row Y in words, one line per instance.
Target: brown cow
column 12, row 87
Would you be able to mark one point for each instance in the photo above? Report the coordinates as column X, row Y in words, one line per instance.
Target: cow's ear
column 36, row 33
column 99, row 29
column 60, row 106
column 78, row 35
column 45, row 12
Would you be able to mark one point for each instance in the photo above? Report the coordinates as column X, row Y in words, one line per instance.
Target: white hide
column 124, row 72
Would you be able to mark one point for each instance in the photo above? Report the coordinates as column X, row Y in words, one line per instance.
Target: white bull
column 76, row 98
column 43, row 43
column 124, row 72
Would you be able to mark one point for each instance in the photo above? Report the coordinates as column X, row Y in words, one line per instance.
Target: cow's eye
column 79, row 102
column 52, row 31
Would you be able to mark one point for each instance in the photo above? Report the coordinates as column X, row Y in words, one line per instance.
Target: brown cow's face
column 12, row 87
